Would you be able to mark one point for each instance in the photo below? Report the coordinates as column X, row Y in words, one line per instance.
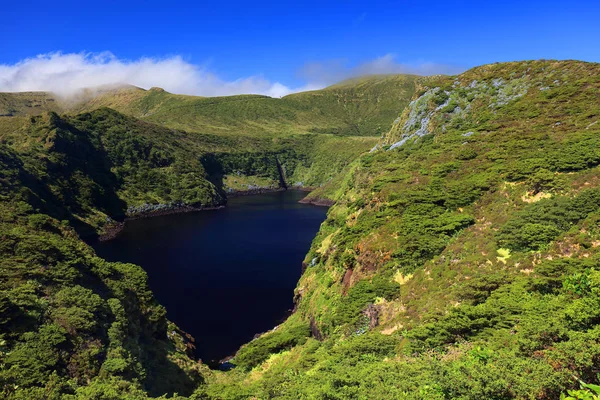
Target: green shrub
column 363, row 293
column 540, row 223
column 258, row 350
column 466, row 154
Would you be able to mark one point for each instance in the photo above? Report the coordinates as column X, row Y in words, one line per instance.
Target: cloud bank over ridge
column 332, row 71
column 66, row 74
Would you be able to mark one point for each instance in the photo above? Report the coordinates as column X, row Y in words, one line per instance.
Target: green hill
column 299, row 130
column 100, row 166
column 364, row 107
column 360, row 107
column 461, row 258
column 28, row 103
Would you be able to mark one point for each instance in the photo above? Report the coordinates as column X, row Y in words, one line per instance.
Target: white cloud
column 66, row 74
column 332, row 71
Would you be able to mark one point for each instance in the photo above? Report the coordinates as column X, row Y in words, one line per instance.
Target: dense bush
column 363, row 293
column 540, row 223
column 258, row 350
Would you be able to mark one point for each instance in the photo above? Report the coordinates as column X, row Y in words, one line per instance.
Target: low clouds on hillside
column 65, row 74
column 332, row 71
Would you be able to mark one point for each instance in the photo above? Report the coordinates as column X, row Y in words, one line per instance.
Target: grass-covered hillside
column 461, row 259
column 361, row 107
column 28, row 103
column 96, row 167
column 71, row 324
column 312, row 135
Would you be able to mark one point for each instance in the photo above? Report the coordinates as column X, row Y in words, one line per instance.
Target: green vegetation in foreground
column 73, row 325
column 464, row 262
column 461, row 259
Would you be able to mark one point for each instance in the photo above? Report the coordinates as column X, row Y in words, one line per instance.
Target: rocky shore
column 317, row 201
column 255, row 190
column 114, row 228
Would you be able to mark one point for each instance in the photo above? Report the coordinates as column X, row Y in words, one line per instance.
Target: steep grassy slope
column 71, row 324
column 461, row 260
column 103, row 165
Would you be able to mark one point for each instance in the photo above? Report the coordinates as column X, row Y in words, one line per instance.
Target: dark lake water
column 227, row 274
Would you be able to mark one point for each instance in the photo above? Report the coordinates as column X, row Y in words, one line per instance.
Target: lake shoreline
column 112, row 230
column 319, row 201
column 193, row 253
column 251, row 192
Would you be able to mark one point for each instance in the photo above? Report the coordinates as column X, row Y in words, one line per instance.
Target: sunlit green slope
column 361, row 107
column 28, row 103
column 312, row 134
column 462, row 258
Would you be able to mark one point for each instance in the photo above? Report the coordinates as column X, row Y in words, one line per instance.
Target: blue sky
column 301, row 43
